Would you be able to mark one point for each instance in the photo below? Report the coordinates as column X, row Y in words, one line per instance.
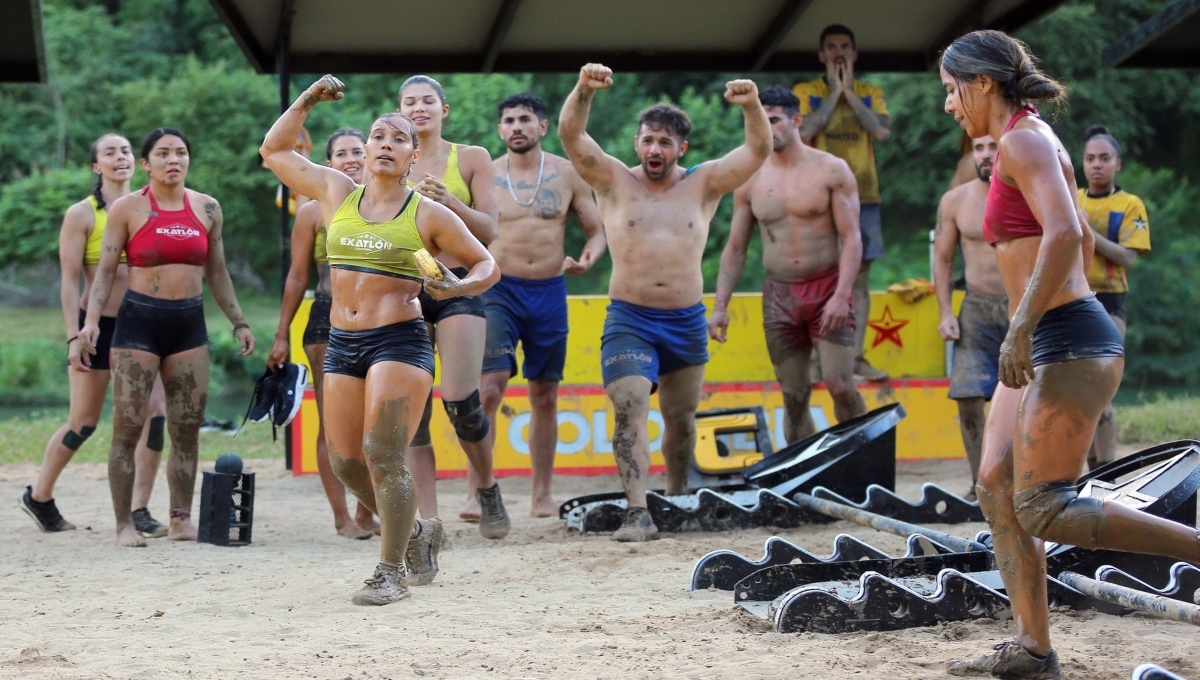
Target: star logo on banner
column 1139, row 223
column 887, row 328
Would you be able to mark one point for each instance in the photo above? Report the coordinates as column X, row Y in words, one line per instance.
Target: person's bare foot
column 128, row 537
column 543, row 507
column 182, row 528
column 352, row 530
column 471, row 511
column 366, row 521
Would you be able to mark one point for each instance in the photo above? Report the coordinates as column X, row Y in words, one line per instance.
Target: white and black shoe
column 289, row 392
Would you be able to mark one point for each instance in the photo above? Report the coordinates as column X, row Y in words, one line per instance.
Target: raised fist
column 741, row 92
column 596, row 76
column 327, row 89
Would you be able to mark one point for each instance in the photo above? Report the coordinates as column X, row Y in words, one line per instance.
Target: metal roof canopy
column 484, row 36
column 22, row 50
column 1169, row 39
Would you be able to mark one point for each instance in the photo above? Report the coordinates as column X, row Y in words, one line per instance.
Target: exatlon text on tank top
column 366, row 242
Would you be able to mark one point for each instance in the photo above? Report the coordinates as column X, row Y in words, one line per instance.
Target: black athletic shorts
column 436, row 310
column 161, row 327
column 1077, row 330
column 1114, row 304
column 316, row 332
column 108, row 324
column 353, row 353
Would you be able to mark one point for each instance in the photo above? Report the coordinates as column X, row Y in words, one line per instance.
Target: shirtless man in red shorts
column 805, row 202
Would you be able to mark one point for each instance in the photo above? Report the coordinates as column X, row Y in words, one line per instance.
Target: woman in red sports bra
column 171, row 237
column 1060, row 363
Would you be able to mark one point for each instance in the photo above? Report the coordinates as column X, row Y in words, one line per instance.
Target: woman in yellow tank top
column 379, row 362
column 79, row 254
column 345, row 152
column 460, row 178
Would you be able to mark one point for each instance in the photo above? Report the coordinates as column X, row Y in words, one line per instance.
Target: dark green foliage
column 131, row 65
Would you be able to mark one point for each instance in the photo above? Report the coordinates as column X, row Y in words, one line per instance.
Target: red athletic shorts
column 792, row 314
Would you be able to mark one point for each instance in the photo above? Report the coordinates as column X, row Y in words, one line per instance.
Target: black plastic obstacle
column 226, row 508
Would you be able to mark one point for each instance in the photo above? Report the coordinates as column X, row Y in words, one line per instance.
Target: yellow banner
column 902, row 339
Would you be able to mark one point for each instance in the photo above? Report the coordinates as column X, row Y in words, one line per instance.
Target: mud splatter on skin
column 187, row 397
column 798, row 422
column 624, row 440
column 355, row 475
column 677, row 450
column 384, row 447
column 132, row 384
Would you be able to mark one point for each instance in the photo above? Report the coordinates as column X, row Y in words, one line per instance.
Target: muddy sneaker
column 1010, row 660
column 385, row 587
column 44, row 513
column 422, row 554
column 146, row 525
column 493, row 518
column 863, row 370
column 638, row 527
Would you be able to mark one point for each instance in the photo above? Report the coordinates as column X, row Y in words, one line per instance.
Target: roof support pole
column 283, row 66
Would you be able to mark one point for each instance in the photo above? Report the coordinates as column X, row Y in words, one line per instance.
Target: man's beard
column 984, row 172
column 531, row 144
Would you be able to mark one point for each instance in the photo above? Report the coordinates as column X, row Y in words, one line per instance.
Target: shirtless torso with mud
column 805, row 203
column 656, row 216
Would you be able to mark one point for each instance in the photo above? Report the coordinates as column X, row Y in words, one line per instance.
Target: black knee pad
column 154, row 438
column 73, row 440
column 467, row 416
column 421, row 437
column 1054, row 511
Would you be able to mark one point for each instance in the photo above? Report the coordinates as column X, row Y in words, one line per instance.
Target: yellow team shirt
column 1121, row 218
column 844, row 136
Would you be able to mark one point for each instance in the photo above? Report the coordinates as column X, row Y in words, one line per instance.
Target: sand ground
column 545, row 602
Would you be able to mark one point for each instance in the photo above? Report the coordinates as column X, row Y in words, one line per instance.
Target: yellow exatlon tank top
column 320, row 254
column 91, row 251
column 384, row 248
column 453, row 178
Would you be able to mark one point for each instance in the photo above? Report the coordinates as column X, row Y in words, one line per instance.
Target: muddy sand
column 545, row 602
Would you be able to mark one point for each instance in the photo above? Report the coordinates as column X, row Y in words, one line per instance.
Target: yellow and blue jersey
column 844, row 136
column 1121, row 218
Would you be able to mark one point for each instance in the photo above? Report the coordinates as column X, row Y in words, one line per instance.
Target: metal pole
column 886, row 524
column 1147, row 603
column 285, row 230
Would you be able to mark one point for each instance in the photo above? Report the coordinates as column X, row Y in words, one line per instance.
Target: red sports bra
column 168, row 237
column 1007, row 215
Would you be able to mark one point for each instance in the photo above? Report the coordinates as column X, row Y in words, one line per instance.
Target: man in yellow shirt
column 843, row 116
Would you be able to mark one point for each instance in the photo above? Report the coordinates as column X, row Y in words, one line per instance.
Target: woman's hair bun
column 1035, row 87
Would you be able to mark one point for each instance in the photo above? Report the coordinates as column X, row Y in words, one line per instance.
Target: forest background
column 133, row 65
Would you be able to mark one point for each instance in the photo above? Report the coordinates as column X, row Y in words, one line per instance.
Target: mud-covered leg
column 1056, row 424
column 335, row 491
column 970, row 423
column 1104, row 446
column 150, row 447
column 185, row 378
column 133, row 373
column 792, row 371
column 678, row 398
column 344, row 435
column 630, row 398
column 837, row 367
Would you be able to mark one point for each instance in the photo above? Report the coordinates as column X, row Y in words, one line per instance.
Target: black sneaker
column 289, row 392
column 637, row 528
column 44, row 513
column 493, row 518
column 146, row 525
column 1010, row 660
column 263, row 399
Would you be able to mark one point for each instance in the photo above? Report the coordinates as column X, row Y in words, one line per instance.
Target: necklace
column 507, row 176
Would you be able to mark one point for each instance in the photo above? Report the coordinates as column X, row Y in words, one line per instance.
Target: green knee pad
column 73, row 440
column 154, row 438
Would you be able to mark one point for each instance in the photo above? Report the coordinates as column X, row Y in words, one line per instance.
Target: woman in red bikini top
column 1060, row 363
column 171, row 236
